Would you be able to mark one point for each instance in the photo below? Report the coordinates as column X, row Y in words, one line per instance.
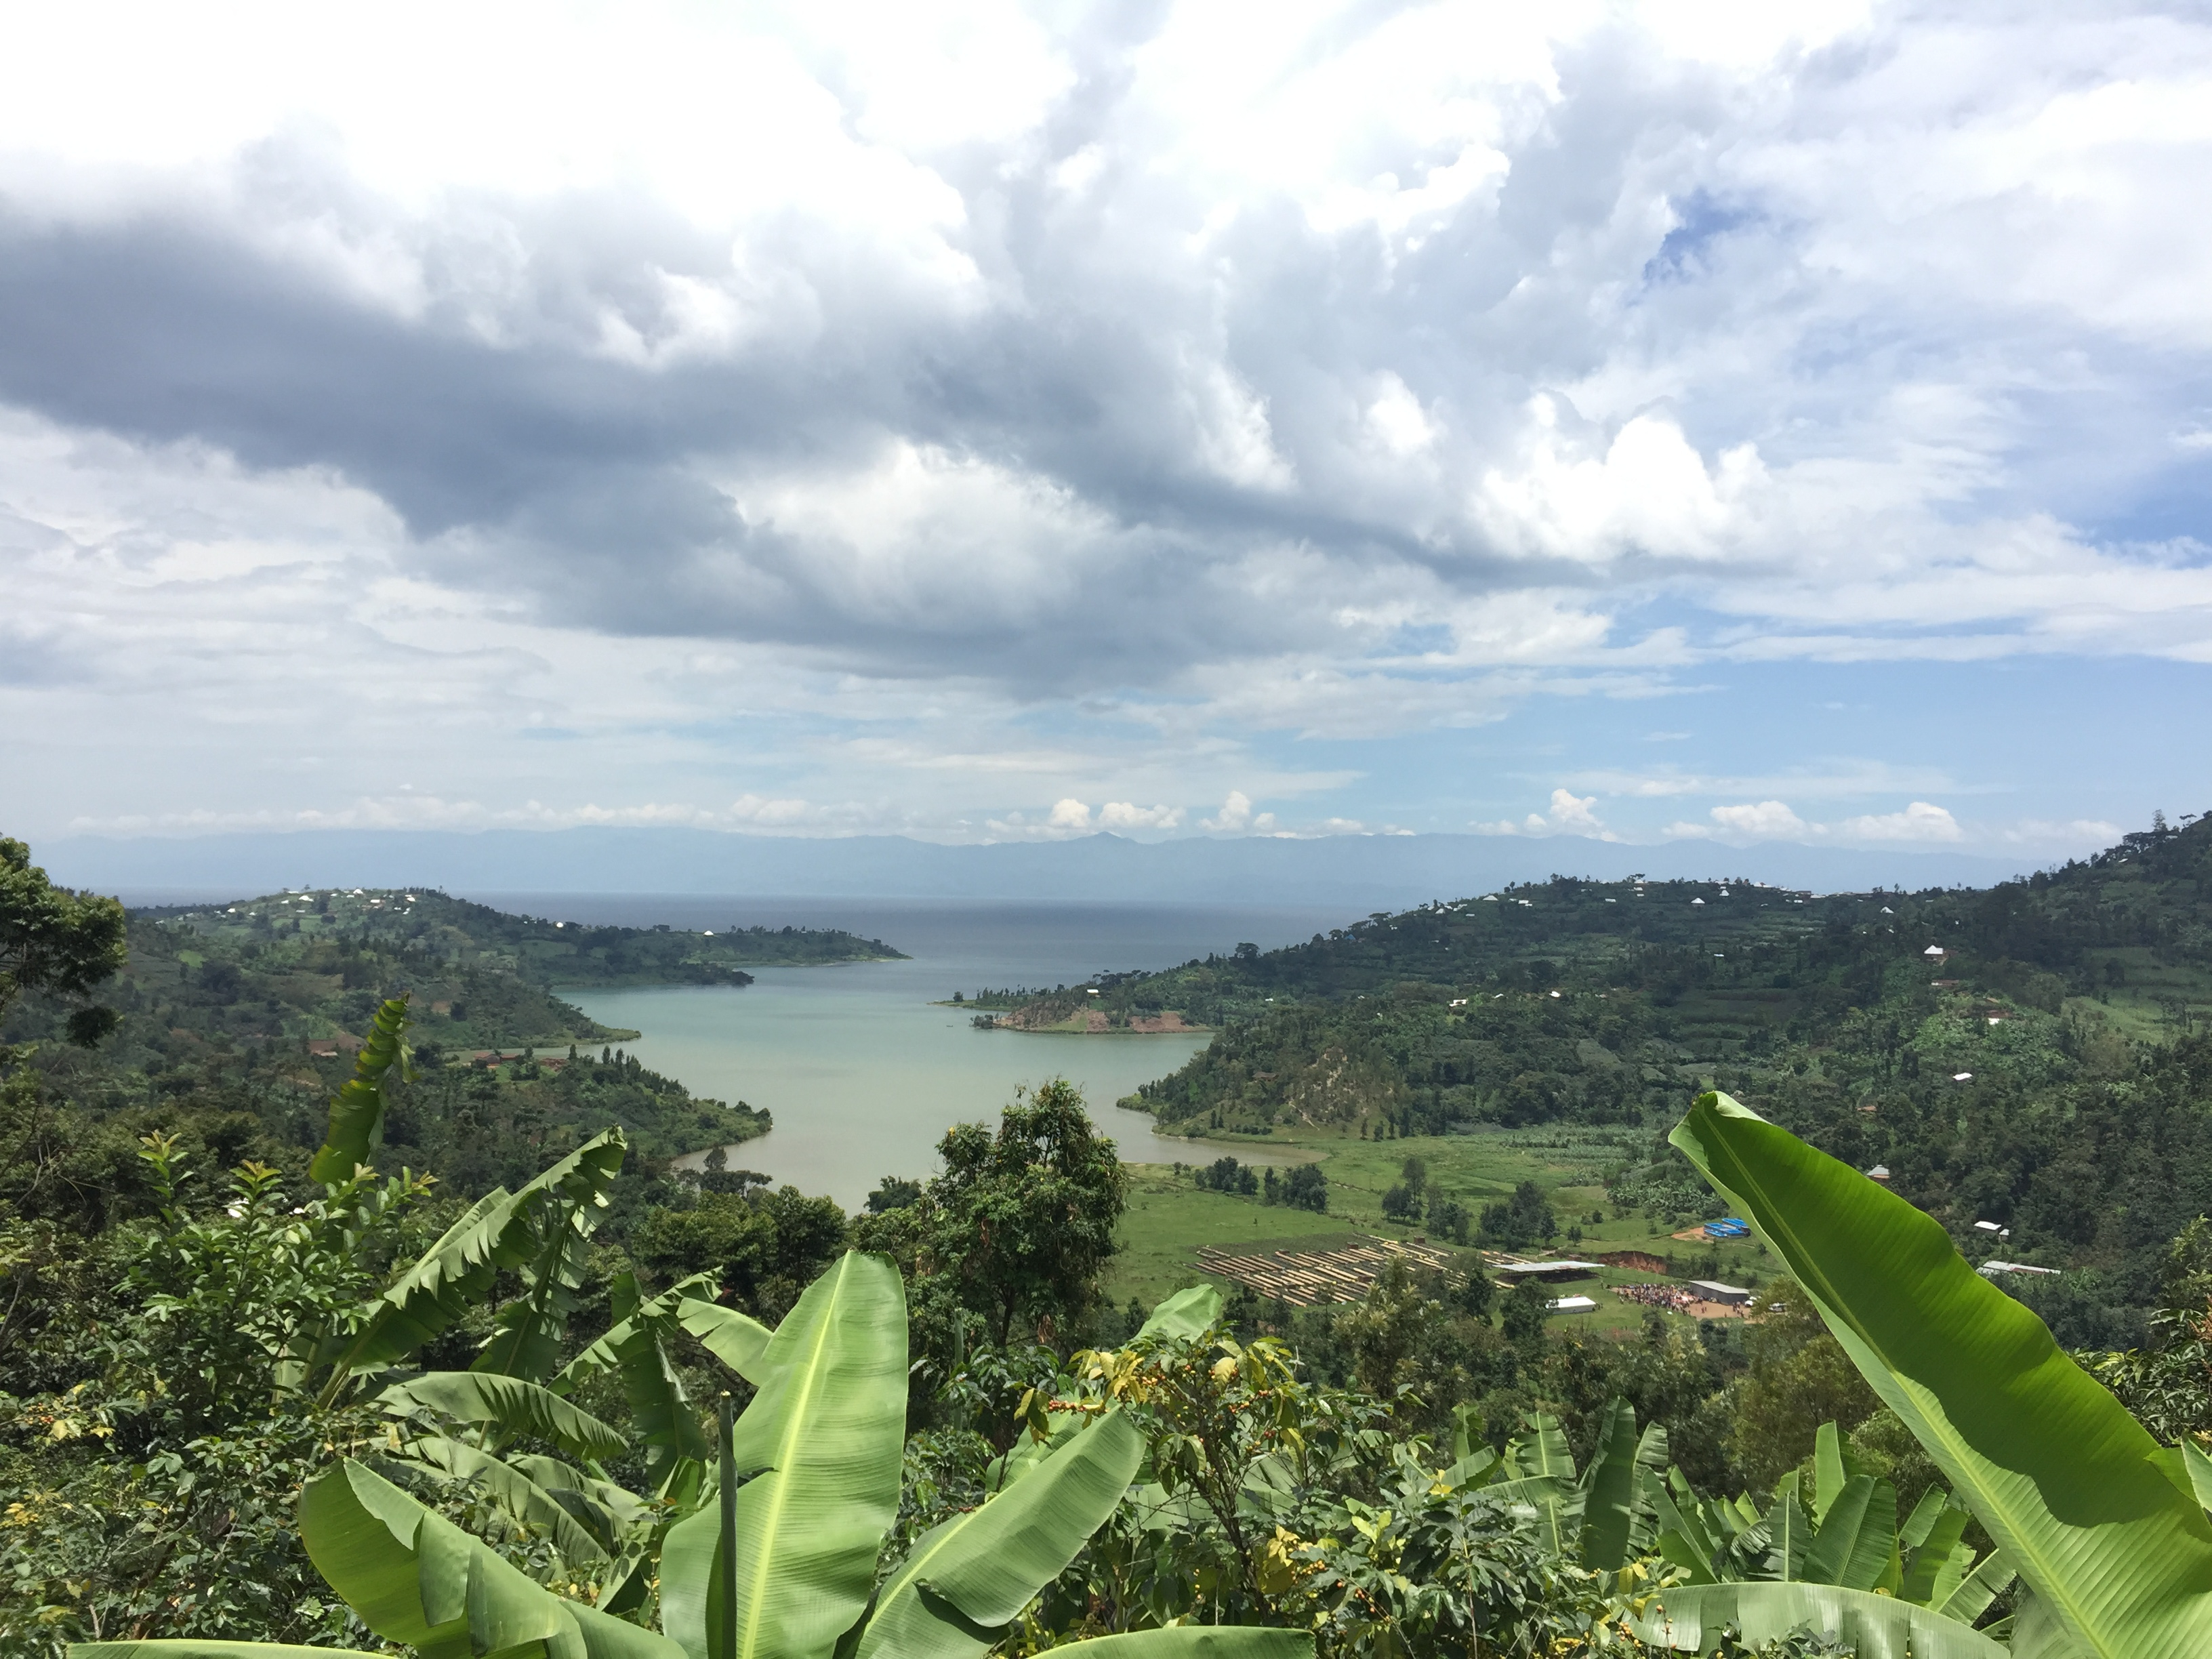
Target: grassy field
column 1169, row 1218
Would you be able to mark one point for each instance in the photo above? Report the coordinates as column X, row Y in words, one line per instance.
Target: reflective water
column 865, row 1073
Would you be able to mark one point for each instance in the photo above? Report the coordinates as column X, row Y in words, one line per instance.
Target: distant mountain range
column 1371, row 872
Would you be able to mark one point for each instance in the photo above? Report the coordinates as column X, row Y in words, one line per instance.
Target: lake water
column 863, row 1071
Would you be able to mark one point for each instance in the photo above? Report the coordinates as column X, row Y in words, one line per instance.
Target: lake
column 863, row 1072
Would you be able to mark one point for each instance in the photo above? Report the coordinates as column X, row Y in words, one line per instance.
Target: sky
column 977, row 421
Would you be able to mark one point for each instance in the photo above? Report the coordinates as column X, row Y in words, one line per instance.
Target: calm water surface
column 863, row 1072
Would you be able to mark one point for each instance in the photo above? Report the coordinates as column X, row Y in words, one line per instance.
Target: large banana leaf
column 660, row 1416
column 432, row 1296
column 514, row 1491
column 1182, row 1315
column 2070, row 1485
column 414, row 1578
column 1198, row 1642
column 517, row 1406
column 1856, row 1536
column 821, row 1442
column 1991, row 1578
column 1681, row 1536
column 739, row 1341
column 1940, row 1558
column 356, row 1125
column 192, row 1648
column 1541, row 1454
column 455, row 1274
column 552, row 1235
column 965, row 1579
column 1690, row 1618
column 1612, row 1488
column 1789, row 1536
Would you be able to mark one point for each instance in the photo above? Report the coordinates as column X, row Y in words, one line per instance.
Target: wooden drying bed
column 1304, row 1278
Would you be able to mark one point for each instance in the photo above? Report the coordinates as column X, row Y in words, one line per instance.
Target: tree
column 1023, row 1220
column 57, row 941
column 1523, row 1219
column 894, row 1192
column 1799, row 1378
column 1305, row 1187
column 1527, row 1304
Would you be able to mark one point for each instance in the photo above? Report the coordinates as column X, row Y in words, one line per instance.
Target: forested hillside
column 233, row 1025
column 2026, row 1055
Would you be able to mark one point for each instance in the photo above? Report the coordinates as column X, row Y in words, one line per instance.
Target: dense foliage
column 2030, row 1056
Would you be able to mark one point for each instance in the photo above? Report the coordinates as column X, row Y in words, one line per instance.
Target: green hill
column 2030, row 1056
column 238, row 1020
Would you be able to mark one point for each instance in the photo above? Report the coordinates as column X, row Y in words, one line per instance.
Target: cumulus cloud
column 1920, row 821
column 1379, row 372
column 1127, row 815
column 1765, row 820
column 1570, row 814
column 1235, row 817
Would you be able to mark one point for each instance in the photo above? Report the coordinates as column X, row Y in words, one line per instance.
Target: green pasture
column 1169, row 1218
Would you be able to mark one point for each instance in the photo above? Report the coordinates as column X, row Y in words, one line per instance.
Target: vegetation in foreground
column 1184, row 1488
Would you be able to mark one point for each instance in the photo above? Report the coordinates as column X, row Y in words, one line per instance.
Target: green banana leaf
column 1940, row 1558
column 1642, row 1519
column 2197, row 1469
column 1474, row 1469
column 191, row 1648
column 1829, row 1472
column 1857, row 1537
column 1185, row 1315
column 1198, row 1642
column 1681, row 1538
column 553, row 1233
column 738, row 1341
column 432, row 1296
column 623, row 1507
column 965, row 1580
column 660, row 1414
column 414, row 1578
column 1612, row 1489
column 1789, row 1536
column 1541, row 1456
column 2068, row 1485
column 1991, row 1577
column 821, row 1444
column 509, row 1403
column 515, row 1492
column 1690, row 1618
column 453, row 1275
column 356, row 1125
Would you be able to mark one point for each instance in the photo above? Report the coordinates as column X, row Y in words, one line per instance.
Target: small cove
column 863, row 1068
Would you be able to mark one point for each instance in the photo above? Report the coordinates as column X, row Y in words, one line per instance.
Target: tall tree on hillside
column 1025, row 1219
column 54, row 940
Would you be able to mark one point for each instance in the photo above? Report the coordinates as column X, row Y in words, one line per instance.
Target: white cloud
column 814, row 406
column 1765, row 820
column 1570, row 814
column 1235, row 817
column 1069, row 815
column 1920, row 821
column 1126, row 815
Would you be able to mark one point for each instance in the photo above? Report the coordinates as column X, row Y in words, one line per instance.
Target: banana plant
column 1850, row 1539
column 1601, row 1516
column 2106, row 1530
column 784, row 1565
